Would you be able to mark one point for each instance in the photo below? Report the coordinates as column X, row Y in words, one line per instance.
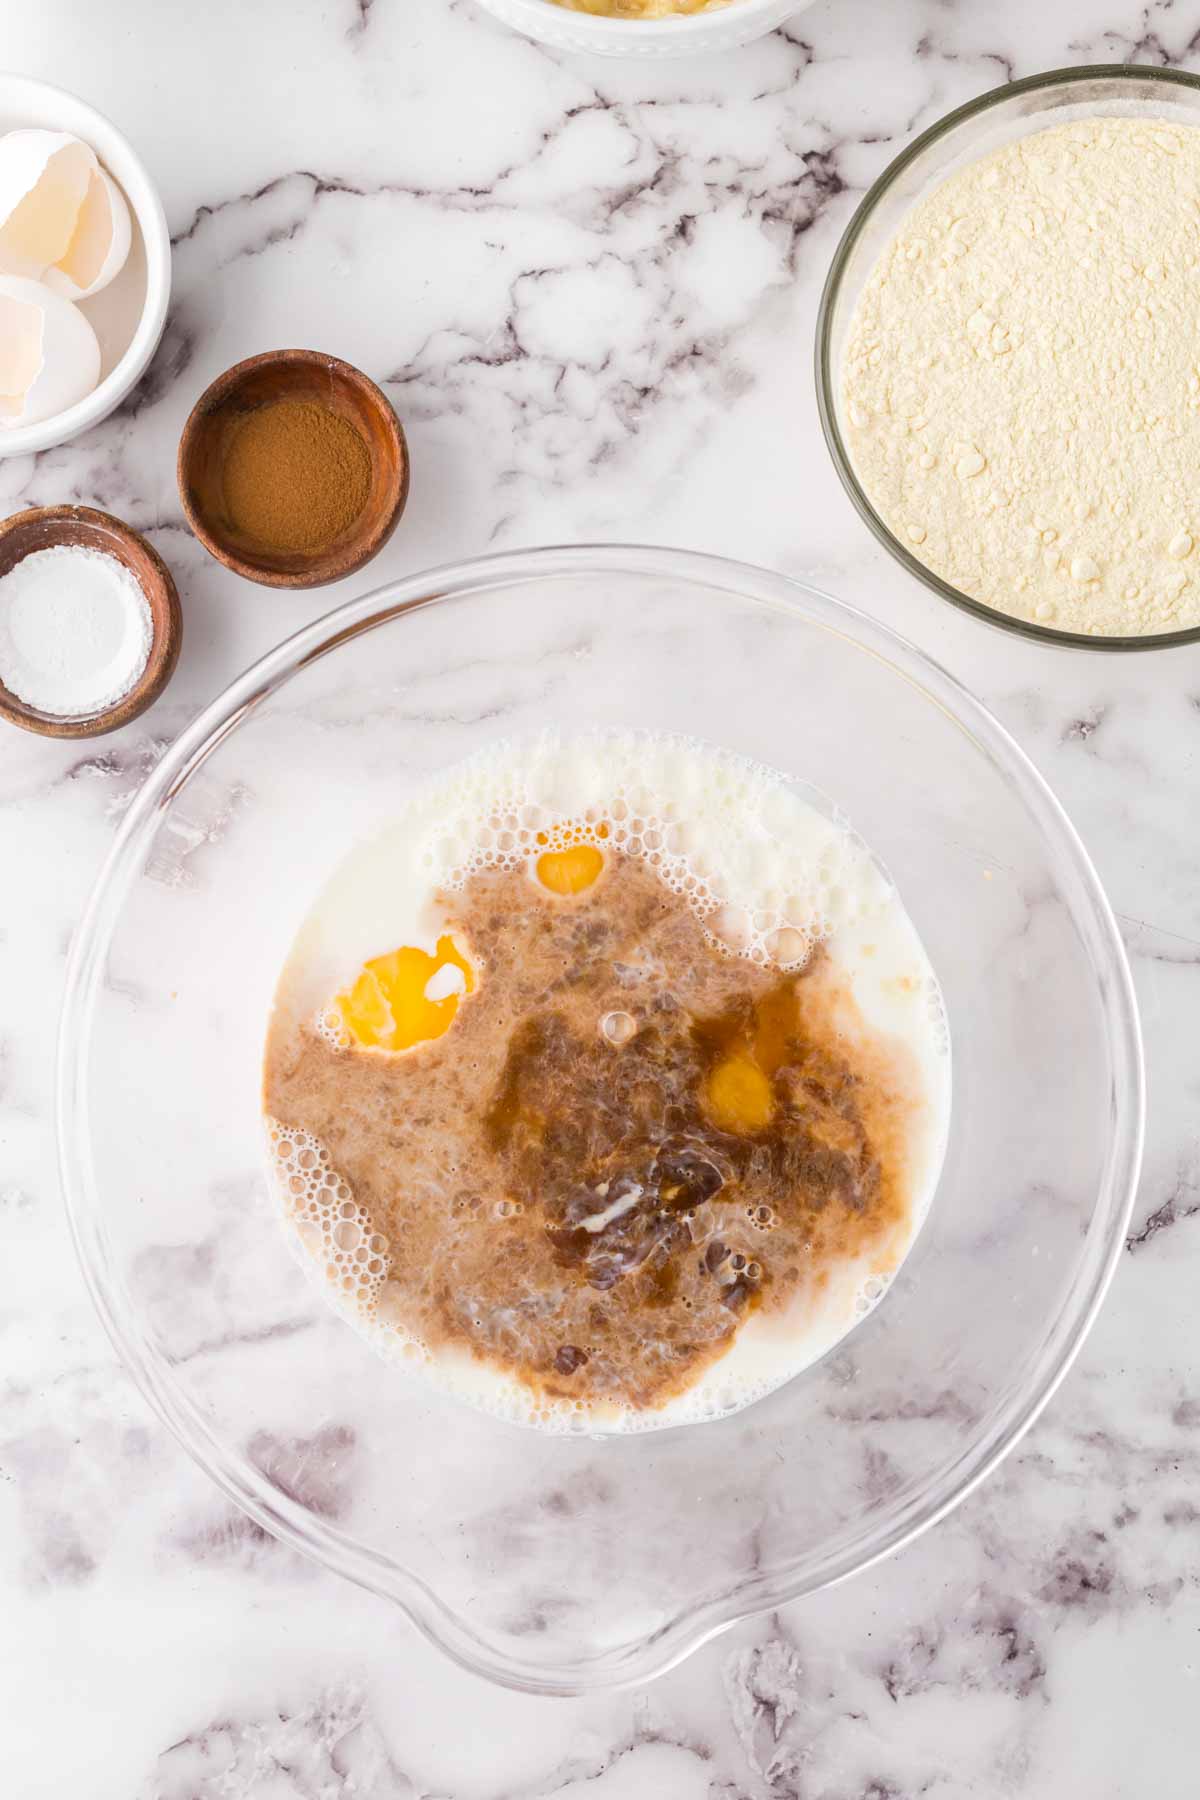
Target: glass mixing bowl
column 963, row 136
column 558, row 1564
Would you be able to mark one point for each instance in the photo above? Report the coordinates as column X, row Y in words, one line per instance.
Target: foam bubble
column 331, row 1026
column 735, row 857
column 341, row 1249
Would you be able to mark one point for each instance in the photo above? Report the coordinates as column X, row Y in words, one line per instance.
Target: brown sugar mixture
column 626, row 1144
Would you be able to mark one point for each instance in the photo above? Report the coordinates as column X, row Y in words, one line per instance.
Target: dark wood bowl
column 44, row 527
column 291, row 375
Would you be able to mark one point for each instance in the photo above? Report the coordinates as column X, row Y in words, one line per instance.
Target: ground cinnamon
column 296, row 476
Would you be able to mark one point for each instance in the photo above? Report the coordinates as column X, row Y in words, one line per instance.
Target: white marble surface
column 590, row 290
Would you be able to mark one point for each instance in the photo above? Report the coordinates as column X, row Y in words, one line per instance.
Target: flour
column 75, row 631
column 1021, row 379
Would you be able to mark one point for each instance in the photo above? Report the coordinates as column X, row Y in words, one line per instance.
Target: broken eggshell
column 63, row 220
column 49, row 354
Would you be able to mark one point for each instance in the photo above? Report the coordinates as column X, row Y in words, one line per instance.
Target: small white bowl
column 129, row 314
column 696, row 34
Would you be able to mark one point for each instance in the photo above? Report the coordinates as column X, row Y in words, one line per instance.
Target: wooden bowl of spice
column 293, row 469
column 90, row 622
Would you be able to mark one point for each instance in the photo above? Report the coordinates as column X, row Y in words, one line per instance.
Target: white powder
column 75, row 631
column 1022, row 378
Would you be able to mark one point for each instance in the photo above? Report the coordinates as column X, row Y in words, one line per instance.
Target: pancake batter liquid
column 682, row 1107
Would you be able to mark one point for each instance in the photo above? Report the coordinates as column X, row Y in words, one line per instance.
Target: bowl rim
column 640, row 1658
column 139, row 189
column 601, row 31
column 1136, row 74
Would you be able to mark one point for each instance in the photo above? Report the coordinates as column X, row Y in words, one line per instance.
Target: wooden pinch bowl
column 46, row 527
column 304, row 375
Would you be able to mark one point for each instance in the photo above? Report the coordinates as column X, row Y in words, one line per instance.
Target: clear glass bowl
column 559, row 1564
column 963, row 136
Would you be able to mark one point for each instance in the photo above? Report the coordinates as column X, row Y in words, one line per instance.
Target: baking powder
column 75, row 631
column 1022, row 378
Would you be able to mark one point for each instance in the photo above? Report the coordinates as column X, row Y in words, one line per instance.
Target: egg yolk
column 739, row 1096
column 570, row 871
column 739, row 1093
column 388, row 1008
column 574, row 867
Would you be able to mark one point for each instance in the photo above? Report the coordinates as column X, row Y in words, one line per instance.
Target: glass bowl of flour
column 1004, row 365
column 561, row 1560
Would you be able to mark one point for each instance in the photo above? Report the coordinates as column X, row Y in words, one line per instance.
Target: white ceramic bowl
column 129, row 314
column 694, row 35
